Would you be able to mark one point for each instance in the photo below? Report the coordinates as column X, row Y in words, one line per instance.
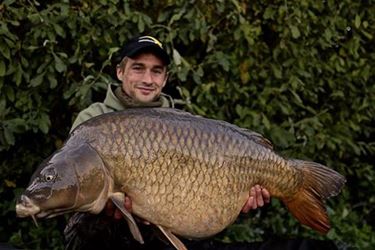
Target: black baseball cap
column 140, row 44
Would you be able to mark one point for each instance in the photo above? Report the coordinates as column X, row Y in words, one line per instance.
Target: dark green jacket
column 110, row 104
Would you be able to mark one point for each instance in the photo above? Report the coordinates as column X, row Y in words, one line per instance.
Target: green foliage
column 300, row 72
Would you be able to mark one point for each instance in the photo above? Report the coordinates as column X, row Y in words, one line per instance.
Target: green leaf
column 17, row 77
column 295, row 31
column 52, row 81
column 25, row 63
column 141, row 25
column 163, row 16
column 112, row 51
column 9, row 92
column 9, row 2
column 3, row 69
column 266, row 121
column 9, row 136
column 367, row 34
column 59, row 30
column 296, row 97
column 176, row 57
column 357, row 21
column 5, row 51
column 36, row 81
column 276, row 71
column 196, row 78
column 44, row 123
column 269, row 13
column 59, row 64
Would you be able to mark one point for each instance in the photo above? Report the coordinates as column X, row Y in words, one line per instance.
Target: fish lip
column 26, row 207
column 31, row 209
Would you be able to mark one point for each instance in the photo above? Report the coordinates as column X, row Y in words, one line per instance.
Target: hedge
column 299, row 72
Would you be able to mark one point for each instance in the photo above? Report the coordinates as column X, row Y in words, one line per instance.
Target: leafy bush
column 300, row 72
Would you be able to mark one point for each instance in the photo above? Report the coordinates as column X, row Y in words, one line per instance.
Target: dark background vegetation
column 301, row 72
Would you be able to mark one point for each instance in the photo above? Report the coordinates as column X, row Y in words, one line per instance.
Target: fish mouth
column 26, row 207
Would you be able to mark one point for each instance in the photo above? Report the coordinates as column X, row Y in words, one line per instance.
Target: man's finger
column 117, row 215
column 266, row 195
column 146, row 222
column 248, row 205
column 258, row 197
column 253, row 194
column 128, row 204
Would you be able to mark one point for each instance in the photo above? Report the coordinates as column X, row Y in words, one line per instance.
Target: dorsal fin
column 251, row 135
column 258, row 138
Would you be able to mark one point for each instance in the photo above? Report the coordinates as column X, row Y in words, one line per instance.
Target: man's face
column 143, row 77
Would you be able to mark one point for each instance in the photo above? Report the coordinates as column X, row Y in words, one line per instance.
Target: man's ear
column 120, row 68
column 119, row 72
column 165, row 80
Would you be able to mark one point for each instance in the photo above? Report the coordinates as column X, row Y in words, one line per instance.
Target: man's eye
column 136, row 68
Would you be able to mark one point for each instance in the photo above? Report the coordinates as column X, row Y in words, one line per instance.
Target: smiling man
column 142, row 71
column 142, row 77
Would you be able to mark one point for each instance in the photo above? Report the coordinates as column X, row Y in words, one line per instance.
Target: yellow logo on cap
column 150, row 39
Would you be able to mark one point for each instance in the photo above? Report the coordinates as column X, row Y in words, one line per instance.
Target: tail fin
column 319, row 183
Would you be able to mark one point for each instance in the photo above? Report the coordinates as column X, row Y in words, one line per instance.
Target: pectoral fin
column 172, row 238
column 118, row 199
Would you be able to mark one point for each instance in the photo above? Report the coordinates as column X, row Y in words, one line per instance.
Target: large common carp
column 186, row 174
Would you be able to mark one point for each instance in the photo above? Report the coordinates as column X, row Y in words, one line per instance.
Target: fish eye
column 49, row 174
column 49, row 177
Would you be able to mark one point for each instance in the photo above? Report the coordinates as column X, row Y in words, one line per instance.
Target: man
column 142, row 72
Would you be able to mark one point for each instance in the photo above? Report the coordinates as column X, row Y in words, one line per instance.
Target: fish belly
column 191, row 199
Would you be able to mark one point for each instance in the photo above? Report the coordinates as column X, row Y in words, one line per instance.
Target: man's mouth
column 146, row 90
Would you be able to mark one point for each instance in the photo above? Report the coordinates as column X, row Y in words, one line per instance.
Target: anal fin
column 119, row 199
column 172, row 238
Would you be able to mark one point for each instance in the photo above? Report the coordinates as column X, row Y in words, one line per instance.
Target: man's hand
column 112, row 211
column 258, row 197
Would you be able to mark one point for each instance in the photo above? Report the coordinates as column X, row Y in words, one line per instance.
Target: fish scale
column 186, row 174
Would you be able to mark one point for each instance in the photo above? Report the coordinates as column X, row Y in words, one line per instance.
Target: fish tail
column 319, row 183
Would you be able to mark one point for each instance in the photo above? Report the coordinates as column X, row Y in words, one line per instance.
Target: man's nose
column 147, row 77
